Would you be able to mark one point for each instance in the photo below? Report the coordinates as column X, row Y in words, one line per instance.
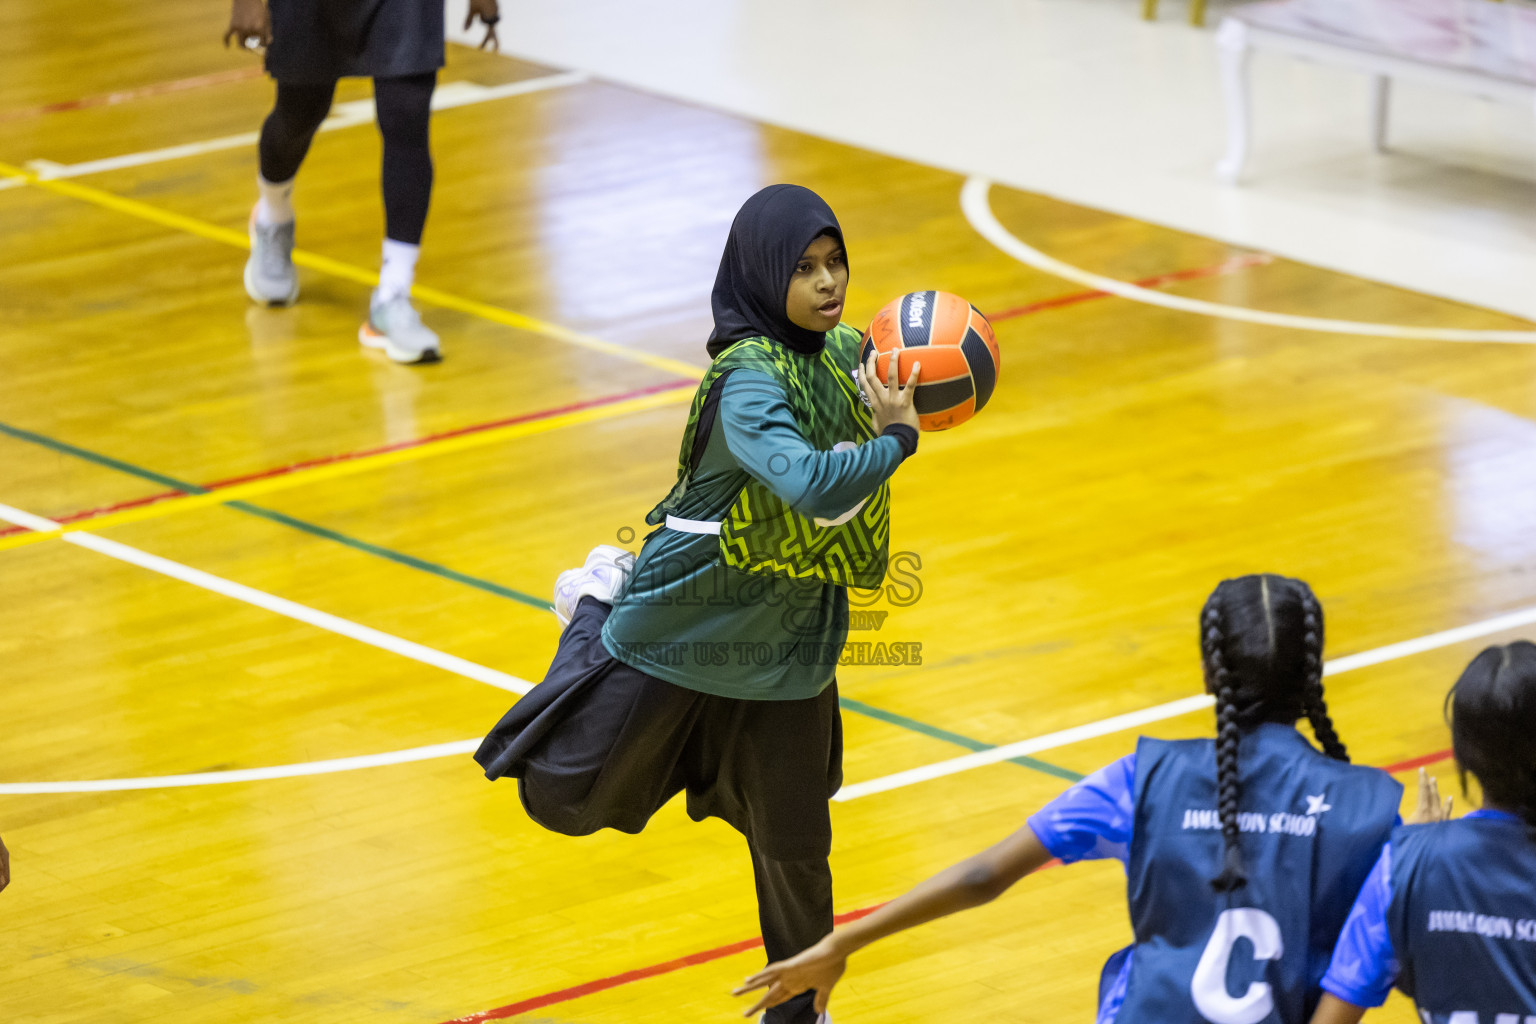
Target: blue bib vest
column 1463, row 920
column 1312, row 828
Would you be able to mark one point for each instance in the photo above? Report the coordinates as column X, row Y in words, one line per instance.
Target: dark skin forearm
column 970, row 883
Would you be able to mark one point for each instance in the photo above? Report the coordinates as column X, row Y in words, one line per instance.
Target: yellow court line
column 362, row 464
column 348, row 271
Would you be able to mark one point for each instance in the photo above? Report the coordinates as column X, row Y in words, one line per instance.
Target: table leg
column 1232, row 42
column 1381, row 93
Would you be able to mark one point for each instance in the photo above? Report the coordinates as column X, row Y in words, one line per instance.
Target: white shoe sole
column 370, row 338
column 265, row 300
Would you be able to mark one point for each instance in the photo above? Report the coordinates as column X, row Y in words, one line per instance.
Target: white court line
column 271, row 602
column 342, row 115
column 1173, row 709
column 282, row 771
column 1064, row 737
column 978, row 210
column 282, row 606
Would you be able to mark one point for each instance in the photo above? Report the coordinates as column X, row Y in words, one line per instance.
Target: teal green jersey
column 692, row 619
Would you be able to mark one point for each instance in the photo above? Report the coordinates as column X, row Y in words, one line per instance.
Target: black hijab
column 770, row 232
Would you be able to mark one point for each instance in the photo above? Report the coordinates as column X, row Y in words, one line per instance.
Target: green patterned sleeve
column 762, row 436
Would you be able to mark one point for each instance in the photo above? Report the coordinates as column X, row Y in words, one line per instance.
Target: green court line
column 315, row 530
column 277, row 517
column 952, row 737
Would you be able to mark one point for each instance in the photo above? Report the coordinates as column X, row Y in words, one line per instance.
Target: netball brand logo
column 916, row 308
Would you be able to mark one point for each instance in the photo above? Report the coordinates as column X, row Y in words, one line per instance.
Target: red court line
column 1417, row 762
column 590, row 987
column 542, row 414
column 720, row 952
column 1236, row 263
column 1226, row 267
column 125, row 95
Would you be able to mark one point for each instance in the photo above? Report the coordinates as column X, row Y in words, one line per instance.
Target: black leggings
column 404, row 112
column 599, row 744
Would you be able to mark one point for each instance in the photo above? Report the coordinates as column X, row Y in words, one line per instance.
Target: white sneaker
column 604, row 576
column 396, row 328
column 270, row 277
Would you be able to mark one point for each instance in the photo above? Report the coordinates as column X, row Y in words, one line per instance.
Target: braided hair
column 1492, row 710
column 1261, row 642
column 1312, row 691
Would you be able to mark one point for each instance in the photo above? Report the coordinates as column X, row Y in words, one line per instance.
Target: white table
column 1477, row 46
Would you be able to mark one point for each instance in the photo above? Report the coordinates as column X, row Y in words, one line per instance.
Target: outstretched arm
column 970, row 883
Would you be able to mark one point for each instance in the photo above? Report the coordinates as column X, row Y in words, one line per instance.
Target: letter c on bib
column 1209, row 985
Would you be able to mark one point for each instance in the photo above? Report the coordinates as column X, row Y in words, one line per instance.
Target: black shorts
column 599, row 744
column 318, row 41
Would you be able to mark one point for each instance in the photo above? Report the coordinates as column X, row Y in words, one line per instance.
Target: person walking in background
column 309, row 45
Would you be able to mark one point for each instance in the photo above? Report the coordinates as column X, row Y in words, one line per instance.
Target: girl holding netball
column 706, row 665
column 1235, row 849
column 1448, row 915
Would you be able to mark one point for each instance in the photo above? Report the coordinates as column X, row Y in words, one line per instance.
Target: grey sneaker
column 396, row 327
column 270, row 277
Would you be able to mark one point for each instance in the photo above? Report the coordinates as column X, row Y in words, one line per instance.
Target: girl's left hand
column 819, row 967
column 489, row 13
column 1429, row 807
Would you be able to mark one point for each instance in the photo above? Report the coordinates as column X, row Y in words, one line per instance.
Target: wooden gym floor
column 367, row 578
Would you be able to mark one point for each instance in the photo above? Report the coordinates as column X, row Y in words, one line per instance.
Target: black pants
column 599, row 744
column 404, row 113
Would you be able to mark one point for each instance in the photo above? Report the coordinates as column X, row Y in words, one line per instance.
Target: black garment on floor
column 599, row 744
column 317, row 41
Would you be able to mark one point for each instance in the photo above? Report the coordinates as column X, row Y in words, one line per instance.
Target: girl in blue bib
column 1241, row 852
column 1448, row 914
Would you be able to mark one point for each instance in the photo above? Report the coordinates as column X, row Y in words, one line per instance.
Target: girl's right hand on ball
column 890, row 401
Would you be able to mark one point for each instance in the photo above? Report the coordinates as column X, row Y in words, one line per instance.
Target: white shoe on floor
column 394, row 326
column 270, row 278
column 603, row 576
